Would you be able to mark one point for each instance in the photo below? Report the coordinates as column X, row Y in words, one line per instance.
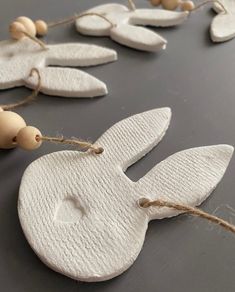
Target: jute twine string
column 65, row 21
column 36, row 40
column 76, row 17
column 132, row 5
column 83, row 145
column 29, row 98
column 145, row 203
column 210, row 1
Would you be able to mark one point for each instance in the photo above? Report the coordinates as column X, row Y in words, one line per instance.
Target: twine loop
column 29, row 98
column 76, row 17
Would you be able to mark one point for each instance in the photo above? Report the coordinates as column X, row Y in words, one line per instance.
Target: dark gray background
column 196, row 78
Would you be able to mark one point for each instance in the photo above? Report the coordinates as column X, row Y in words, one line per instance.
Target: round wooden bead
column 170, row 4
column 10, row 124
column 155, row 2
column 28, row 24
column 17, row 30
column 1, row 109
column 41, row 27
column 187, row 6
column 27, row 138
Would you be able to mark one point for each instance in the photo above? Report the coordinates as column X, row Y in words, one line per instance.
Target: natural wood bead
column 155, row 2
column 28, row 24
column 10, row 124
column 27, row 138
column 17, row 30
column 170, row 4
column 1, row 109
column 187, row 6
column 41, row 27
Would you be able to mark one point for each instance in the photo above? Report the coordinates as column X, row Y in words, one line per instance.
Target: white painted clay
column 79, row 212
column 126, row 31
column 223, row 25
column 17, row 58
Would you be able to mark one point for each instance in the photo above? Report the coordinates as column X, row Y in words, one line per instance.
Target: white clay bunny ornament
column 126, row 28
column 80, row 212
column 17, row 58
column 223, row 25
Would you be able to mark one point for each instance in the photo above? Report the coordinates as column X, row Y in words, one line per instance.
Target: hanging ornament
column 87, row 220
column 18, row 57
column 222, row 26
column 27, row 51
column 126, row 22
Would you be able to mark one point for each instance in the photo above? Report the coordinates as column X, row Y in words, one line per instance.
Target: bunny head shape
column 126, row 29
column 223, row 25
column 17, row 58
column 80, row 212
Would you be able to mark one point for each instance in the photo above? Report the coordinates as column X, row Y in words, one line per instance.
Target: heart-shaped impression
column 69, row 210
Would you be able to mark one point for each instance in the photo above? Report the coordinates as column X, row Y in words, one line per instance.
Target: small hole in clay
column 141, row 202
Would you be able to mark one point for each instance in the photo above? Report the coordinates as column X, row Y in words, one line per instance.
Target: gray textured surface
column 196, row 79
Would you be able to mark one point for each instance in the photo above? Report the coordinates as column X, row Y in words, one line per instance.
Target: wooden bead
column 10, row 124
column 1, row 109
column 17, row 30
column 187, row 6
column 155, row 2
column 170, row 4
column 27, row 138
column 41, row 27
column 28, row 24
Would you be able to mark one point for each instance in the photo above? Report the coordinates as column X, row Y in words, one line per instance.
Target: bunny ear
column 79, row 55
column 187, row 177
column 138, row 38
column 223, row 28
column 229, row 5
column 95, row 25
column 157, row 17
column 132, row 138
column 67, row 82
